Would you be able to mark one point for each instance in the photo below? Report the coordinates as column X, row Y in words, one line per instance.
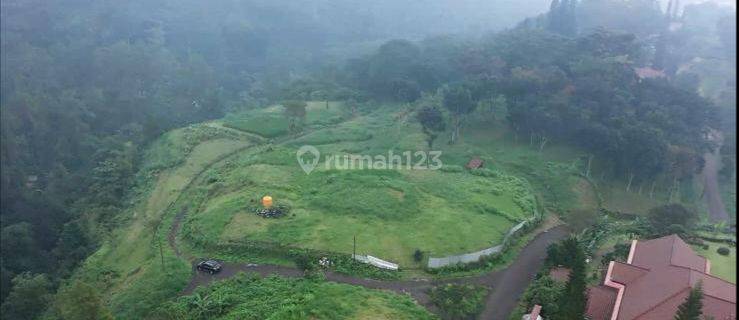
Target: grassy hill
column 391, row 212
column 213, row 174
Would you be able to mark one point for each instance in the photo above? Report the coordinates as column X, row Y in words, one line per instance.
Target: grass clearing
column 251, row 297
column 391, row 212
column 271, row 122
column 723, row 267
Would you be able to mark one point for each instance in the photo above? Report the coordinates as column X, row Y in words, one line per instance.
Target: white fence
column 377, row 262
column 475, row 256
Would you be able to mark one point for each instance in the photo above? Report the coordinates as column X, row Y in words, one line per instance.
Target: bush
column 724, row 251
column 482, row 172
column 620, row 253
column 458, row 301
column 671, row 218
column 417, row 255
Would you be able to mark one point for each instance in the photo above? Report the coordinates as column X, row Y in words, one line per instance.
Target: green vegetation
column 458, row 301
column 274, row 121
column 692, row 308
column 29, row 299
column 248, row 296
column 600, row 126
column 558, row 300
column 268, row 123
column 543, row 291
column 722, row 266
column 437, row 212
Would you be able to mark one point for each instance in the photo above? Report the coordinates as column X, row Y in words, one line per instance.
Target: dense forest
column 86, row 85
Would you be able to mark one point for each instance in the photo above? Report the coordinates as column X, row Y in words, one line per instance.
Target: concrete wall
column 477, row 255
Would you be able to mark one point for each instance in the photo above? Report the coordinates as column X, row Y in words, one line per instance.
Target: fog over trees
column 87, row 85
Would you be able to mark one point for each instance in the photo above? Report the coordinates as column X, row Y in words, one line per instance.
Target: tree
column 458, row 301
column 561, row 17
column 432, row 122
column 692, row 308
column 545, row 292
column 295, row 111
column 417, row 255
column 458, row 100
column 80, row 301
column 574, row 297
column 16, row 243
column 661, row 218
column 29, row 297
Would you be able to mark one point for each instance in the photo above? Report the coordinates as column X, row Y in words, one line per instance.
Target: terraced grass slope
column 216, row 172
column 136, row 270
column 391, row 212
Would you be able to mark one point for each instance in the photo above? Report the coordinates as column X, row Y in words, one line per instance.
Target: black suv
column 210, row 266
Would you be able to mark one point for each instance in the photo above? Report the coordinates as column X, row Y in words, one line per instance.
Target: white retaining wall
column 475, row 256
column 377, row 262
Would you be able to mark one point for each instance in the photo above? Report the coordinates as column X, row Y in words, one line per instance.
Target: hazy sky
column 731, row 3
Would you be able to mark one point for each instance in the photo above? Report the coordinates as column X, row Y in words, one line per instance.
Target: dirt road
column 506, row 285
column 716, row 210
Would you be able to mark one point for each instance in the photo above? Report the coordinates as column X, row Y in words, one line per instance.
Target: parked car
column 209, row 266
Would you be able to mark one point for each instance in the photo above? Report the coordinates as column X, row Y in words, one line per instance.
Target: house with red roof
column 655, row 280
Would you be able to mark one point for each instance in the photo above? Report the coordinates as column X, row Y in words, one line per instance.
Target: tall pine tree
column 561, row 17
column 574, row 298
column 692, row 308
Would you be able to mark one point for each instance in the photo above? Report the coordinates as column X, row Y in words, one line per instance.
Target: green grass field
column 250, row 297
column 391, row 212
column 723, row 267
column 271, row 122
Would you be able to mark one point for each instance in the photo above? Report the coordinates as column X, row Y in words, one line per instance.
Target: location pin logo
column 309, row 164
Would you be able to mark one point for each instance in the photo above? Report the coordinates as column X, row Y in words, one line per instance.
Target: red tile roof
column 669, row 250
column 600, row 302
column 658, row 279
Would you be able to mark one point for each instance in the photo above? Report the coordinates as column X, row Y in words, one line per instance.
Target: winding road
column 716, row 210
column 505, row 285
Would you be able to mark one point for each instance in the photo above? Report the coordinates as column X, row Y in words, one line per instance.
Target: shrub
column 671, row 218
column 458, row 301
column 724, row 251
column 620, row 253
column 417, row 255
